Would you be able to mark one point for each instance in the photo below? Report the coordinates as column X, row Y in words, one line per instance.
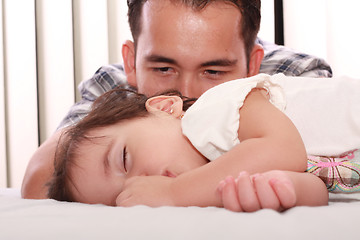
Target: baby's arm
column 278, row 190
column 268, row 141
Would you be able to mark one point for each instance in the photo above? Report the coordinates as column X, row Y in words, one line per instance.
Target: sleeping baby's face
column 152, row 145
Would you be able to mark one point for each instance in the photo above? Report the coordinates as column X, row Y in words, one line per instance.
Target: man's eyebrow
column 216, row 62
column 220, row 62
column 158, row 58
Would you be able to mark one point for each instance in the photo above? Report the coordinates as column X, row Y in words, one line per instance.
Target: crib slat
column 90, row 37
column 21, row 86
column 3, row 163
column 55, row 55
column 267, row 30
column 119, row 30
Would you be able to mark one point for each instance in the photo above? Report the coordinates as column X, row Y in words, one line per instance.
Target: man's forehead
column 178, row 36
column 180, row 14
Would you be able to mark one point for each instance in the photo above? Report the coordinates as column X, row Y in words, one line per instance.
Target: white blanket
column 50, row 219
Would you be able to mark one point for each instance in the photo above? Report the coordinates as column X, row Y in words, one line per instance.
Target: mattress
column 50, row 219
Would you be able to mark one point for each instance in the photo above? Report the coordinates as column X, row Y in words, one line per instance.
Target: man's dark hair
column 249, row 9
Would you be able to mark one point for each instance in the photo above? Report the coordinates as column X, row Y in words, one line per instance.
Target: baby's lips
column 168, row 174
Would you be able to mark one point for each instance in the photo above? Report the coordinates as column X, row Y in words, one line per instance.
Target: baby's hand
column 151, row 191
column 272, row 190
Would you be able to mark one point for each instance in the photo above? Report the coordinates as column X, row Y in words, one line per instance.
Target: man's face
column 190, row 51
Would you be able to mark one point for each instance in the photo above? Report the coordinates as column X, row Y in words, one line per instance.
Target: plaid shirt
column 277, row 59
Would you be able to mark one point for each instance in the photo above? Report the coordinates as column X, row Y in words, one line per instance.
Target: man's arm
column 40, row 169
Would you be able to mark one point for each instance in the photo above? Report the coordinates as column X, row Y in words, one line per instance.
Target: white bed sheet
column 49, row 219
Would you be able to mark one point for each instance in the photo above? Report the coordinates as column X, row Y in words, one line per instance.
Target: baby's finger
column 229, row 195
column 124, row 199
column 247, row 193
column 266, row 194
column 120, row 200
column 285, row 192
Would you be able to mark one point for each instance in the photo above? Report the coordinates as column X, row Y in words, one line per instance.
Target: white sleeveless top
column 326, row 111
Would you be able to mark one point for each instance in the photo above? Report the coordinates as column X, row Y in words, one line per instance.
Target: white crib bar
column 21, row 86
column 90, row 37
column 3, row 163
column 55, row 62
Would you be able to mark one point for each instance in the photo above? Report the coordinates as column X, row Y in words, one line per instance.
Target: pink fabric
column 339, row 173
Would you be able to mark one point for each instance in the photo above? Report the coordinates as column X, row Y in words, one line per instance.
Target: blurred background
column 49, row 46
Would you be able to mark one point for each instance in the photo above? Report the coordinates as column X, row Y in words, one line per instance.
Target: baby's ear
column 169, row 104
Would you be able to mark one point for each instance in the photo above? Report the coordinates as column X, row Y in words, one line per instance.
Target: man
column 190, row 46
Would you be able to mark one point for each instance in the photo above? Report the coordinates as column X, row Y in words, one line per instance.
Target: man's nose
column 188, row 86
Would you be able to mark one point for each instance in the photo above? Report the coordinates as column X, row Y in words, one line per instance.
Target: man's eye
column 162, row 69
column 213, row 72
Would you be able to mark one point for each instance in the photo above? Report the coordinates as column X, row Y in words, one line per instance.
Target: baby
column 134, row 150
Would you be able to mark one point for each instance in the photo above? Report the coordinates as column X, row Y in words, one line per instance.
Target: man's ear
column 256, row 57
column 128, row 54
column 169, row 104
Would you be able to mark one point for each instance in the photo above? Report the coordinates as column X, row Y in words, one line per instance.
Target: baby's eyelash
column 124, row 159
